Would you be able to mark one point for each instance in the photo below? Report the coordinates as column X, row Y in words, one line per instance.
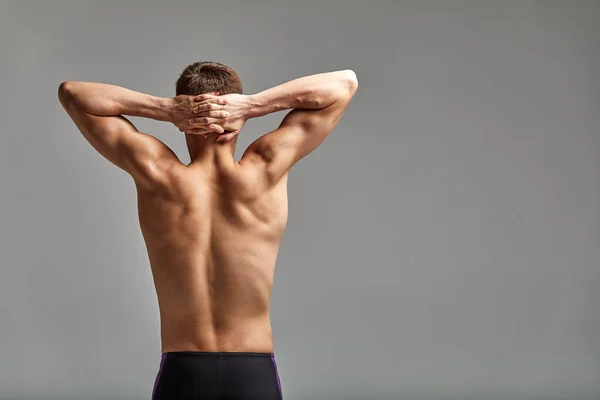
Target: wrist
column 164, row 107
column 254, row 106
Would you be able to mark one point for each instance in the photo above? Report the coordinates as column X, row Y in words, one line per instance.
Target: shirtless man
column 212, row 228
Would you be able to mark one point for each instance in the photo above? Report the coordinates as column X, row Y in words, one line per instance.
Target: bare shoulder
column 162, row 181
column 257, row 162
column 250, row 176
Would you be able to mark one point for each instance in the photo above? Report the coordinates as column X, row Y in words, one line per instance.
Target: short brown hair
column 208, row 76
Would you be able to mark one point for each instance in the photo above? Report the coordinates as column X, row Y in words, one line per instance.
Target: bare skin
column 212, row 228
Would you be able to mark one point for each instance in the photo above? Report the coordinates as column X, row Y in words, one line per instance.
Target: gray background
column 442, row 243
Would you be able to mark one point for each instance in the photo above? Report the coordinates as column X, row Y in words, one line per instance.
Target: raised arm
column 318, row 102
column 97, row 109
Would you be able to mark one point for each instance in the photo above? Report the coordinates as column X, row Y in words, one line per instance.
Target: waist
column 249, row 337
column 222, row 355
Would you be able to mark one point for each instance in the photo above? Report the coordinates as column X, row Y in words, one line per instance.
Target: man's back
column 212, row 235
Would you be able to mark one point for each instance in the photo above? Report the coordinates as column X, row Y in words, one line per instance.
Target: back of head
column 207, row 76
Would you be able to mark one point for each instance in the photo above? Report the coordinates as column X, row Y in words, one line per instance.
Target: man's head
column 207, row 76
column 203, row 77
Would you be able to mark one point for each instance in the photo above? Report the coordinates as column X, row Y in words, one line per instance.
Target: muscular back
column 212, row 236
column 212, row 228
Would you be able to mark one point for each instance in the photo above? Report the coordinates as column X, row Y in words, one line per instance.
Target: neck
column 207, row 150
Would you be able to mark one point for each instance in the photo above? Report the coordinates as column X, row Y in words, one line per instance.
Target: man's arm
column 97, row 109
column 318, row 102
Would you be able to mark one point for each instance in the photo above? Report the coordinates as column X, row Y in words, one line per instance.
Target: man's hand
column 198, row 115
column 237, row 106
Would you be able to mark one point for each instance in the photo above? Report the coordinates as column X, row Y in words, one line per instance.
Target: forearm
column 107, row 100
column 310, row 92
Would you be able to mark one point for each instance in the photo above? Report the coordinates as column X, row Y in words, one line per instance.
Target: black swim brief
column 217, row 375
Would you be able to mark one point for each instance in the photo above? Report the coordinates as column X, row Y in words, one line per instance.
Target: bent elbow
column 348, row 83
column 65, row 90
column 351, row 79
column 65, row 93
